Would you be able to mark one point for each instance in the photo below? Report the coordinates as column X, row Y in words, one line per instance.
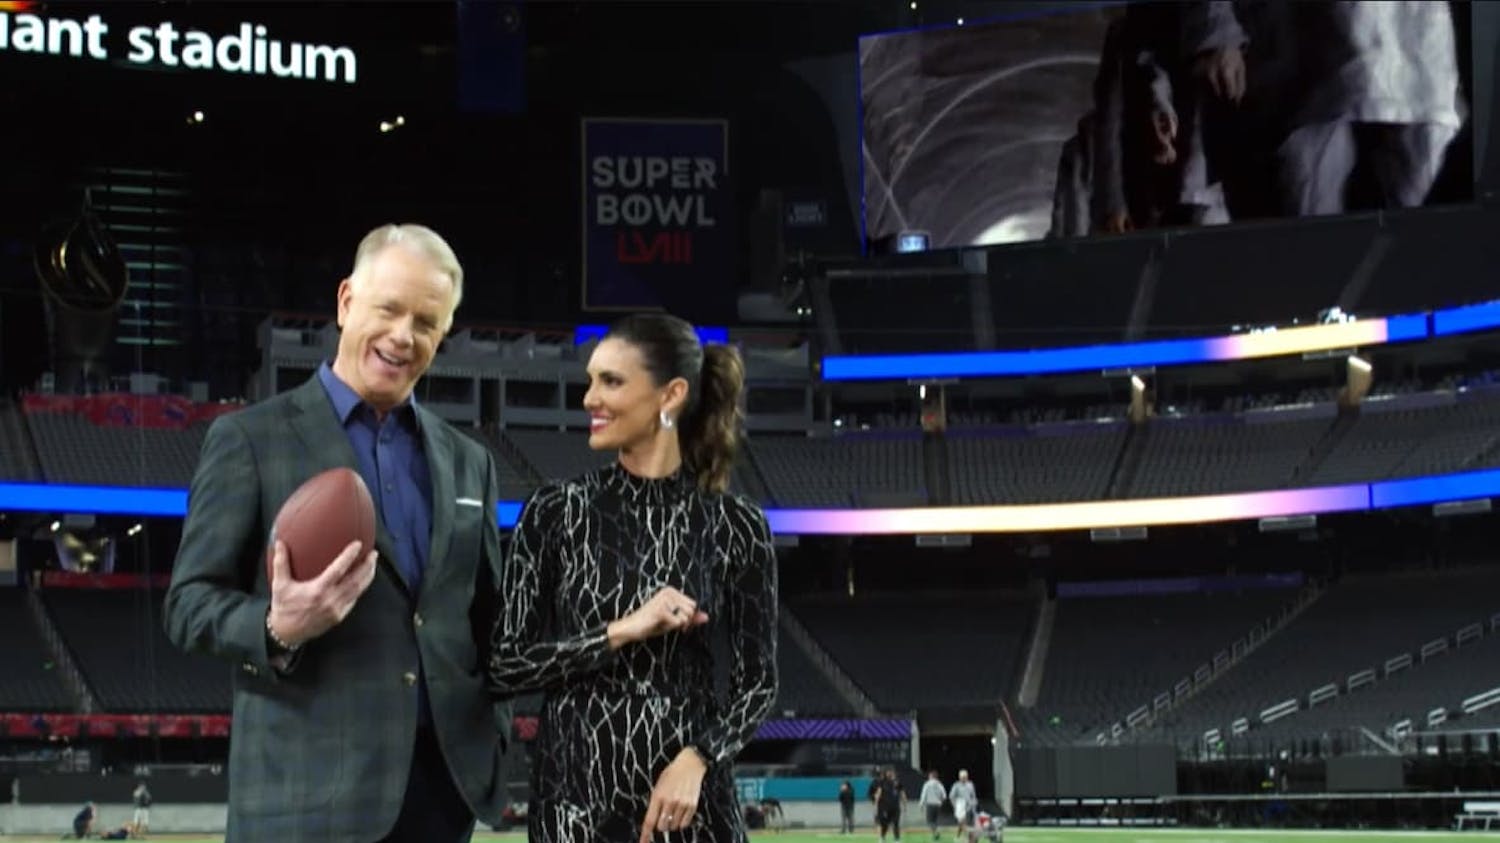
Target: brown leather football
column 320, row 519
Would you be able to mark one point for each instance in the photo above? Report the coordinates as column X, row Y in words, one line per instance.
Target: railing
column 1480, row 702
column 1434, row 717
column 1206, row 673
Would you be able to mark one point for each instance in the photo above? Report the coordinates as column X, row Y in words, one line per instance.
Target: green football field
column 1050, row 835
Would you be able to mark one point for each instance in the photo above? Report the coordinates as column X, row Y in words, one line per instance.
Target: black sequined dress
column 586, row 552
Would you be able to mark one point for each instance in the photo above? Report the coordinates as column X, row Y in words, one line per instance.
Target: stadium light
column 1287, row 523
column 1139, row 409
column 1358, row 377
column 1449, row 509
column 908, row 242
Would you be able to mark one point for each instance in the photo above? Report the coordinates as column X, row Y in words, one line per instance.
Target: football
column 320, row 519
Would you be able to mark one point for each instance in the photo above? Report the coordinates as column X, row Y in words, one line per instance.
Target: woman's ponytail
column 710, row 431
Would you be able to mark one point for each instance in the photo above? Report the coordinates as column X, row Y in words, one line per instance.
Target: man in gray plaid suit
column 359, row 713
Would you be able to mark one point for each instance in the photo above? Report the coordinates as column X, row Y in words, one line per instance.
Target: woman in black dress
column 614, row 584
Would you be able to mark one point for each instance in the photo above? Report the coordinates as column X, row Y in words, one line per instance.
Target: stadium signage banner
column 657, row 212
column 795, row 788
column 115, row 409
column 249, row 50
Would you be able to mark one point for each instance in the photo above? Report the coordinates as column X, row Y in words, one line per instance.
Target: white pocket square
column 469, row 502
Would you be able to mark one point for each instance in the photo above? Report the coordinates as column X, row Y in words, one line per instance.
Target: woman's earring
column 666, row 421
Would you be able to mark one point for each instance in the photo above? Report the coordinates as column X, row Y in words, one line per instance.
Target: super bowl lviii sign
column 657, row 214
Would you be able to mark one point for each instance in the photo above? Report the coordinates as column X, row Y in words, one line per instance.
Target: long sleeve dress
column 586, row 552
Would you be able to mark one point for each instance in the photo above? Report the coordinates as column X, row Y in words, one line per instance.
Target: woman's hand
column 674, row 800
column 668, row 610
column 1224, row 71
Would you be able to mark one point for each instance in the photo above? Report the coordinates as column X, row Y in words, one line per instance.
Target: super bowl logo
column 657, row 213
column 654, row 202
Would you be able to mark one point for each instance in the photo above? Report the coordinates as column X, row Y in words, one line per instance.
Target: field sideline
column 1030, row 835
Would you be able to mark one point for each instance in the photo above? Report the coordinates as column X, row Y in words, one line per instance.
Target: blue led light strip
column 1412, row 491
column 1295, row 340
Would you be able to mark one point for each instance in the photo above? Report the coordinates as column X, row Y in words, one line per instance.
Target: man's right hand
column 302, row 611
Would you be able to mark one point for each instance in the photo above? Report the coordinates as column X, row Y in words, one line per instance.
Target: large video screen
column 1122, row 117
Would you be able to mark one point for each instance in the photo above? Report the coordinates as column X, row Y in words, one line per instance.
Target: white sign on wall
column 249, row 50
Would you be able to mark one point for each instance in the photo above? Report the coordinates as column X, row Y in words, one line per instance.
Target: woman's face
column 623, row 402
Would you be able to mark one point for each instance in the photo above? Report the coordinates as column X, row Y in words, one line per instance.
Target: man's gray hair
column 420, row 238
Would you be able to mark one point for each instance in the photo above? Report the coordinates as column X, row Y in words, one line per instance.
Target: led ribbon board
column 975, row 364
column 1463, row 320
column 1070, row 516
column 1077, row 515
column 706, row 335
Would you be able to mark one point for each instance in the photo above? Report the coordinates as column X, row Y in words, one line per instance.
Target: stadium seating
column 1257, row 450
column 75, row 450
column 1109, row 655
column 557, row 455
column 1256, row 444
column 514, row 484
column 1427, row 434
column 116, row 638
column 851, row 470
column 16, row 461
column 1031, row 465
column 924, row 651
column 1359, row 624
column 1441, row 681
column 804, row 690
column 31, row 683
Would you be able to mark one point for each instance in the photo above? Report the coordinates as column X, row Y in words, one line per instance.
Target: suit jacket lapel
column 326, row 446
column 439, row 453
